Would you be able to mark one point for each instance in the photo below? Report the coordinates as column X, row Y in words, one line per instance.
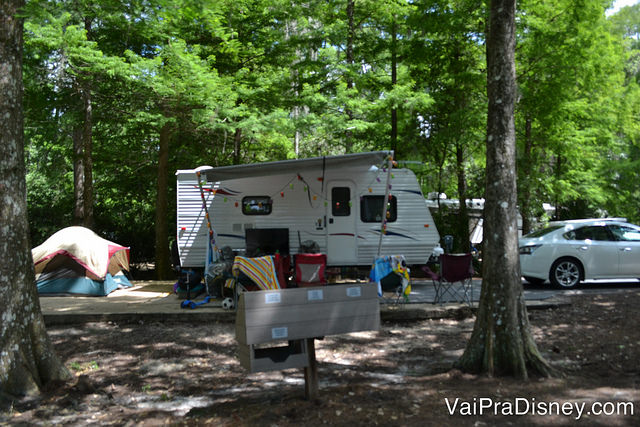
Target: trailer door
column 341, row 224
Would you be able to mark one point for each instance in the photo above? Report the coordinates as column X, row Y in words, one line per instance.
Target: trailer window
column 340, row 201
column 371, row 209
column 256, row 205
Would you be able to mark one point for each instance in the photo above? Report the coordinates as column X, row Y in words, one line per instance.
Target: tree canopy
column 146, row 87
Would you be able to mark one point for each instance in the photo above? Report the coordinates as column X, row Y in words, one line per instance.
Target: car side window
column 625, row 234
column 595, row 232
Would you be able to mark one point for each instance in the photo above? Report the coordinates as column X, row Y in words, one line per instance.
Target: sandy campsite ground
column 178, row 373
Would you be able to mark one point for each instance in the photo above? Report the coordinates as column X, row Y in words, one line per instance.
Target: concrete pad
column 149, row 301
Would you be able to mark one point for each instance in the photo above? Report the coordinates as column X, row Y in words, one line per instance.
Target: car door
column 628, row 244
column 596, row 247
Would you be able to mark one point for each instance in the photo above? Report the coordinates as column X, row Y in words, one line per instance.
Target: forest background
column 120, row 94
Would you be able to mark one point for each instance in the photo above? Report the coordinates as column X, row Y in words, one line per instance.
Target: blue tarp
column 82, row 285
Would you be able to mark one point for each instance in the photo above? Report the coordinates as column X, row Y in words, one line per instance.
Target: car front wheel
column 565, row 273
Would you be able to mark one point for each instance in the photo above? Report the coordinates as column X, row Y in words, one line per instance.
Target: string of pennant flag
column 291, row 185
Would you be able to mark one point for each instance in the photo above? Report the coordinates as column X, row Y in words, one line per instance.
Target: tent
column 75, row 260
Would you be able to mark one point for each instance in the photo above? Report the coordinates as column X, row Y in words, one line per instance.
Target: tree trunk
column 237, row 140
column 501, row 342
column 350, row 59
column 524, row 189
column 462, row 245
column 78, row 176
column 83, row 164
column 27, row 360
column 394, row 81
column 87, row 159
column 558, row 173
column 163, row 264
column 83, row 156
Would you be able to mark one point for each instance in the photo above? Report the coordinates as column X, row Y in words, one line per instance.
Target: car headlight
column 528, row 250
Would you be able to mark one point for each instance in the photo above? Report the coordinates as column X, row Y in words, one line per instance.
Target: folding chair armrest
column 430, row 274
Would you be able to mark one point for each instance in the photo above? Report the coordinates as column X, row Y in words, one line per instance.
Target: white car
column 568, row 252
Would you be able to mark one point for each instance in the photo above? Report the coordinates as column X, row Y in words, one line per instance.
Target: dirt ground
column 188, row 374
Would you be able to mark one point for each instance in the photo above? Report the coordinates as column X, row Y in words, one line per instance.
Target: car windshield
column 542, row 232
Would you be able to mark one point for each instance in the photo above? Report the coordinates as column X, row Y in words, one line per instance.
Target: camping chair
column 257, row 274
column 454, row 281
column 310, row 269
column 391, row 274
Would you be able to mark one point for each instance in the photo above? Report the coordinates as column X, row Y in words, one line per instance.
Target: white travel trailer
column 335, row 201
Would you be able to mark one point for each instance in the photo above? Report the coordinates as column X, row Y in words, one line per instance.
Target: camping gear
column 454, row 282
column 189, row 280
column 310, row 269
column 75, row 260
column 259, row 273
column 391, row 274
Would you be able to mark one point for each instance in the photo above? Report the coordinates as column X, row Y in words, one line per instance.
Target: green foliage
column 258, row 80
column 571, row 78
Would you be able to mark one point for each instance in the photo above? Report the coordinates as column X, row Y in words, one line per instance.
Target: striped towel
column 261, row 271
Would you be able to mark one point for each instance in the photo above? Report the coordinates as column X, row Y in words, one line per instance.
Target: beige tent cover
column 97, row 255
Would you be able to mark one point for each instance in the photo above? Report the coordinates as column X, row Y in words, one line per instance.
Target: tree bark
column 525, row 188
column 163, row 264
column 78, row 176
column 83, row 156
column 394, row 81
column 351, row 31
column 87, row 159
column 83, row 164
column 27, row 360
column 237, row 141
column 463, row 244
column 501, row 342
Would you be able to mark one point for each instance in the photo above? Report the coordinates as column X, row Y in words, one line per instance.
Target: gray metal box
column 256, row 358
column 291, row 314
column 300, row 313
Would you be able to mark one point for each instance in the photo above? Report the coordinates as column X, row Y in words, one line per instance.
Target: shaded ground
column 185, row 374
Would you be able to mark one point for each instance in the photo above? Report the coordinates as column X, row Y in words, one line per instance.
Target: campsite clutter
column 336, row 201
column 327, row 212
column 75, row 260
column 346, row 206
